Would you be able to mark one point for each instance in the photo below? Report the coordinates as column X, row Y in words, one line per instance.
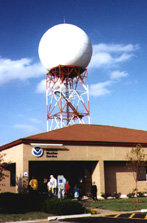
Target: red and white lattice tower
column 65, row 51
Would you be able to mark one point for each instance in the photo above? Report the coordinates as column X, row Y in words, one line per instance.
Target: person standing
column 94, row 191
column 52, row 186
column 33, row 185
column 76, row 192
column 61, row 186
column 67, row 190
column 44, row 189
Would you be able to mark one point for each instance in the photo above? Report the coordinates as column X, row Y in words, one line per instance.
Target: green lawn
column 127, row 204
column 22, row 217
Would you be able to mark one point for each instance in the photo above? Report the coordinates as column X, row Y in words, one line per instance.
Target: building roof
column 84, row 134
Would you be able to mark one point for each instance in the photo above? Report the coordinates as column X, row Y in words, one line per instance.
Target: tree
column 136, row 163
column 3, row 166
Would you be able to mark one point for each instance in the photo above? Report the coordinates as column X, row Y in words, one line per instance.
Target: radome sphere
column 65, row 44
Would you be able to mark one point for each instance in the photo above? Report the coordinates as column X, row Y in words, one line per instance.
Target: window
column 142, row 171
column 12, row 174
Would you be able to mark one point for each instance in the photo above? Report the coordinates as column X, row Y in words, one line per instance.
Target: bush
column 18, row 203
column 116, row 195
column 130, row 195
column 106, row 195
column 63, row 207
column 22, row 203
column 141, row 194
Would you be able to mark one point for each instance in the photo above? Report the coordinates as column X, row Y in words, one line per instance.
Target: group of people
column 54, row 188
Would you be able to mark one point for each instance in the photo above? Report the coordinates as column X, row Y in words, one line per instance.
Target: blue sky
column 117, row 71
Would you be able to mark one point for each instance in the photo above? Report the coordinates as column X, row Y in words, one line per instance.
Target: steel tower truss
column 67, row 97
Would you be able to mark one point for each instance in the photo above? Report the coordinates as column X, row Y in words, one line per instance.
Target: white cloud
column 118, row 74
column 100, row 89
column 27, row 128
column 34, row 120
column 111, row 54
column 104, row 55
column 41, row 87
column 123, row 57
column 22, row 69
column 102, row 47
column 100, row 59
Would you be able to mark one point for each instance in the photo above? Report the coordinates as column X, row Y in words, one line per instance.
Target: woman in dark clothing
column 44, row 187
column 94, row 191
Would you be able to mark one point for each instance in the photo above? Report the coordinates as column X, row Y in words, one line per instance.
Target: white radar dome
column 65, row 44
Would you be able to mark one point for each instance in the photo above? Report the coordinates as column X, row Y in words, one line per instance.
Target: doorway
column 76, row 172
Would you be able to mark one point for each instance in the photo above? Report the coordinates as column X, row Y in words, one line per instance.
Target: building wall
column 13, row 155
column 109, row 171
column 5, row 184
column 118, row 177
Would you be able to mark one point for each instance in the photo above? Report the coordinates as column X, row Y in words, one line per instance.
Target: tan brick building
column 82, row 153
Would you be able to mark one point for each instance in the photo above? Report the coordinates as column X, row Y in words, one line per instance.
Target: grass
column 22, row 217
column 119, row 204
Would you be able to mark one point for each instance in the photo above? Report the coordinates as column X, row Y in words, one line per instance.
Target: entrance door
column 76, row 172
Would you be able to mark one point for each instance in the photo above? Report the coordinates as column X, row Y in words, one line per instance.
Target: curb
column 143, row 210
column 61, row 217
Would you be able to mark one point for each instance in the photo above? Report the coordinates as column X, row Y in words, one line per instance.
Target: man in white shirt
column 52, row 186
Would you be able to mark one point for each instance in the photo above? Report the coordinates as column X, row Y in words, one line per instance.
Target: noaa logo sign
column 37, row 151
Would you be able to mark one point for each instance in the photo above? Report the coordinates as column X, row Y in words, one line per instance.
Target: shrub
column 22, row 203
column 106, row 195
column 18, row 203
column 141, row 194
column 116, row 195
column 63, row 207
column 130, row 195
